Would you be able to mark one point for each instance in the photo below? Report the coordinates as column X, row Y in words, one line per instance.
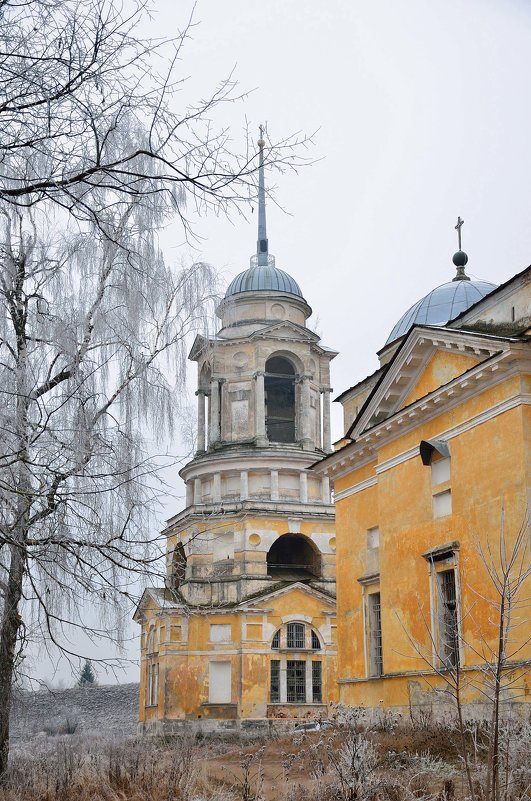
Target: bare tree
column 93, row 324
column 498, row 675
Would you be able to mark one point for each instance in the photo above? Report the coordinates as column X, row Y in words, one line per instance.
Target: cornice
column 522, row 399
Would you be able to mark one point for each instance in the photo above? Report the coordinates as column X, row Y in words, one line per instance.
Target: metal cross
column 458, row 229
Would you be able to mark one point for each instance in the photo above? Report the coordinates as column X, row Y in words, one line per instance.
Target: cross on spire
column 458, row 227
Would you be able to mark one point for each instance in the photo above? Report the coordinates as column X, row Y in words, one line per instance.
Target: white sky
column 424, row 112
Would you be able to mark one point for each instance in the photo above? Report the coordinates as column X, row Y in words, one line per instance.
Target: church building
column 432, row 488
column 245, row 629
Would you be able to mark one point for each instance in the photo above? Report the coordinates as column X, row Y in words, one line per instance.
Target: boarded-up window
column 440, row 471
column 442, row 504
column 175, row 633
column 220, row 632
column 219, row 683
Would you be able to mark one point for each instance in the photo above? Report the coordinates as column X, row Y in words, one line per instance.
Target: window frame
column 443, row 559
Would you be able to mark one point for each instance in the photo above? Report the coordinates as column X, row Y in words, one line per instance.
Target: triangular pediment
column 296, row 587
column 285, row 330
column 429, row 358
column 157, row 599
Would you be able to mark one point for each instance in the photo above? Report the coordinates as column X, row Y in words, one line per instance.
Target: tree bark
column 8, row 641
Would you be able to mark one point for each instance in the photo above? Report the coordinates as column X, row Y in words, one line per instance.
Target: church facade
column 432, row 488
column 245, row 629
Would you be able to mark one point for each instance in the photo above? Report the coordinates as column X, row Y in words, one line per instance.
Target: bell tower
column 255, row 543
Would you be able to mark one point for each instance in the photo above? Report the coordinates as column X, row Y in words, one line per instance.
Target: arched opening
column 280, row 399
column 178, row 566
column 294, row 557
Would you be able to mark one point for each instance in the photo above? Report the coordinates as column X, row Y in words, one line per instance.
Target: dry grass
column 349, row 762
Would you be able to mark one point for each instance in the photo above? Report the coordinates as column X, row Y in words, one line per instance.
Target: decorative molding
column 483, row 417
column 369, row 482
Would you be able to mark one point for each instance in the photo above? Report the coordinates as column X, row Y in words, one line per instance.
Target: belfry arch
column 178, row 566
column 279, row 385
column 294, row 556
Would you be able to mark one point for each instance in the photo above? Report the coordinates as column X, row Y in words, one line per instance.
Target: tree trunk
column 8, row 641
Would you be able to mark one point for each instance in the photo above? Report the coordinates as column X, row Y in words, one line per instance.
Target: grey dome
column 264, row 277
column 442, row 305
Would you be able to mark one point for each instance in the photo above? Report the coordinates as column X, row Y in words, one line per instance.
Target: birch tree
column 94, row 157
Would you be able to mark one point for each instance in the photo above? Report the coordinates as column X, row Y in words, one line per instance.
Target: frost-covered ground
column 109, row 711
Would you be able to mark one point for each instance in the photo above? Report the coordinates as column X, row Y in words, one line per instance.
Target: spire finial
column 262, row 249
column 460, row 258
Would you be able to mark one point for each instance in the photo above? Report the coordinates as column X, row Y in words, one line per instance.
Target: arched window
column 295, row 638
column 304, row 681
column 178, row 566
column 294, row 556
column 279, row 385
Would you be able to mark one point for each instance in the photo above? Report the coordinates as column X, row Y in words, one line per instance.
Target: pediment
column 285, row 330
column 428, row 359
column 156, row 599
column 297, row 586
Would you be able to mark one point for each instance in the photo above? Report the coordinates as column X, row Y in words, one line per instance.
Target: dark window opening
column 294, row 557
column 178, row 569
column 296, row 681
column 317, row 683
column 375, row 634
column 295, row 637
column 275, row 642
column 275, row 681
column 279, row 385
column 448, row 625
column 315, row 641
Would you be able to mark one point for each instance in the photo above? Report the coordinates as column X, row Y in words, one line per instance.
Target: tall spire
column 262, row 250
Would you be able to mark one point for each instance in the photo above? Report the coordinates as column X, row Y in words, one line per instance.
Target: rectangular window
column 317, row 683
column 375, row 634
column 295, row 635
column 296, row 681
column 440, row 471
column 442, row 504
column 448, row 623
column 373, row 538
column 275, row 681
column 153, row 684
column 219, row 683
column 220, row 632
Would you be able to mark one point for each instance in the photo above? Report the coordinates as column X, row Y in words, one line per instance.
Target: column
column 197, row 491
column 189, row 493
column 325, row 489
column 309, row 686
column 304, row 413
column 283, row 678
column 327, row 442
column 214, row 411
column 274, row 485
column 259, row 409
column 216, row 488
column 244, row 485
column 303, row 487
column 201, row 429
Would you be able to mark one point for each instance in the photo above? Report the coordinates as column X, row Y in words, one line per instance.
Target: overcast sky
column 423, row 112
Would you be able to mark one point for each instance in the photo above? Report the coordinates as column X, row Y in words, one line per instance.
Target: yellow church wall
column 441, row 368
column 489, row 462
column 184, row 666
